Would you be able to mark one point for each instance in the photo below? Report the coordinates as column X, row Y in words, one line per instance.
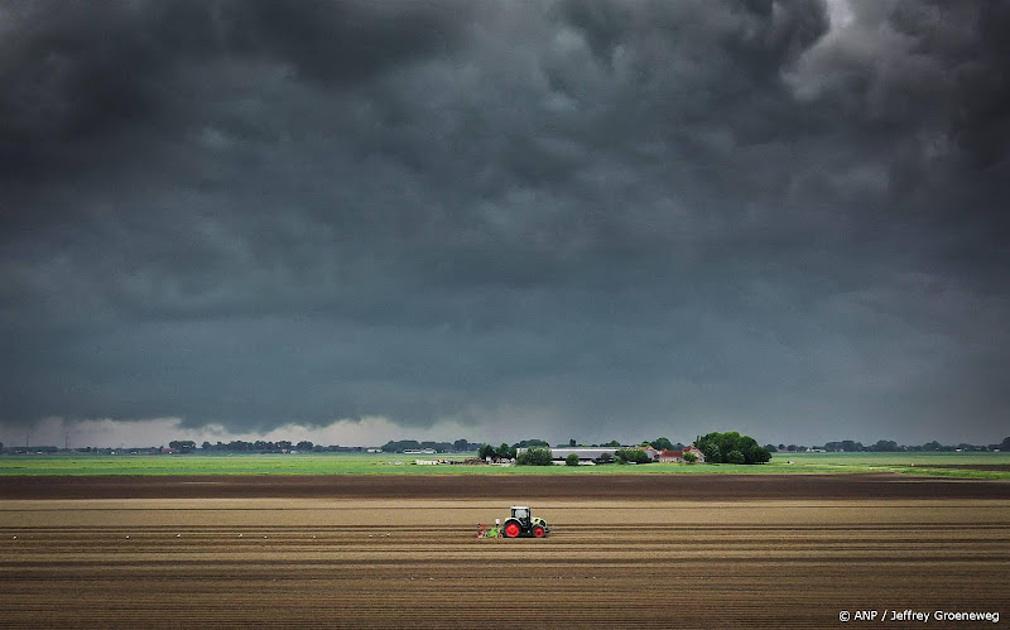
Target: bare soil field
column 409, row 560
column 520, row 487
column 992, row 467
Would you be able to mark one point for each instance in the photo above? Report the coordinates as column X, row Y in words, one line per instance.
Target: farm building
column 678, row 456
column 668, row 456
column 585, row 454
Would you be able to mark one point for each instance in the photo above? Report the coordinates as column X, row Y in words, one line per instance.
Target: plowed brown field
column 383, row 562
column 520, row 487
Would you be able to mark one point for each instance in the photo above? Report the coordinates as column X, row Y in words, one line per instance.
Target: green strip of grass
column 917, row 464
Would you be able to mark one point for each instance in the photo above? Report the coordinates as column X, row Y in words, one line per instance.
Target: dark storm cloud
column 77, row 73
column 595, row 218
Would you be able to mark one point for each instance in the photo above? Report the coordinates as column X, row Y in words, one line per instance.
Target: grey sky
column 599, row 219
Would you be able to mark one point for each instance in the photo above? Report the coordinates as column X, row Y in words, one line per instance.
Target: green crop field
column 960, row 465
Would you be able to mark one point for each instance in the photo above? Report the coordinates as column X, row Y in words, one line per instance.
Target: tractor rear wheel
column 512, row 529
column 539, row 531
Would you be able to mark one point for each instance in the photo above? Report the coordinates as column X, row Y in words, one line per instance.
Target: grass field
column 957, row 465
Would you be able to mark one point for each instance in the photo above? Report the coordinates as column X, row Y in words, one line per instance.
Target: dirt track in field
column 408, row 561
column 519, row 487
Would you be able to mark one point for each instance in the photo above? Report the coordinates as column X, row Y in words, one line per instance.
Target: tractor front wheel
column 512, row 529
column 539, row 531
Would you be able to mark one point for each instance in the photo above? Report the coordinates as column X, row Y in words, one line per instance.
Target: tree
column 304, row 445
column 718, row 447
column 572, row 460
column 753, row 452
column 690, row 458
column 735, row 457
column 460, row 445
column 536, row 456
column 847, row 446
column 605, row 458
column 486, row 450
column 885, row 446
column 662, row 444
column 612, row 444
column 1005, row 444
column 398, row 446
column 633, row 455
column 710, row 449
column 506, row 452
column 771, row 448
column 530, row 443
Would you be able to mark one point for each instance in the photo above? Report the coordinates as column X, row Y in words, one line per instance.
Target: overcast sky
column 360, row 221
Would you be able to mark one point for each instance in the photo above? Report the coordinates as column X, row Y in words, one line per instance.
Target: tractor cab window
column 520, row 513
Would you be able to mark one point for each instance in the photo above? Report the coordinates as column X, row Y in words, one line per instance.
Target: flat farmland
column 989, row 465
column 393, row 559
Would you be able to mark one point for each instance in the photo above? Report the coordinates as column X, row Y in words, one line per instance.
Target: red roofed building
column 697, row 453
column 667, row 456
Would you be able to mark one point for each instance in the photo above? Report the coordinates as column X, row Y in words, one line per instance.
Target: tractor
column 523, row 524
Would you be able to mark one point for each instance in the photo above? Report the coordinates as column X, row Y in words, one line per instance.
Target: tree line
column 306, row 446
column 260, row 446
column 890, row 446
column 283, row 446
column 459, row 446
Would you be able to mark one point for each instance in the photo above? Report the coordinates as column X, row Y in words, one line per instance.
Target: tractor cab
column 521, row 513
column 522, row 523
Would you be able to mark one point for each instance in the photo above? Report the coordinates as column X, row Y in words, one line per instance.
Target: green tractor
column 522, row 524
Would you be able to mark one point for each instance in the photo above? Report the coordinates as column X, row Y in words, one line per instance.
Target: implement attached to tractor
column 520, row 524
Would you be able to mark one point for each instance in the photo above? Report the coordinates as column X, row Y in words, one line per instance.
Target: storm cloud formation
column 562, row 218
